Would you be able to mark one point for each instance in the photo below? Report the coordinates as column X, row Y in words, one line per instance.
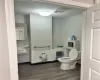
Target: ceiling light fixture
column 45, row 13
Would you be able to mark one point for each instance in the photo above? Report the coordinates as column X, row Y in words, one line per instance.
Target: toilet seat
column 64, row 59
column 73, row 54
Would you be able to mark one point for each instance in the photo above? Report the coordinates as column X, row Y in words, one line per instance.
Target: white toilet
column 70, row 62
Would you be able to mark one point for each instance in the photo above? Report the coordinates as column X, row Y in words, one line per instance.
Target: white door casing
column 91, row 57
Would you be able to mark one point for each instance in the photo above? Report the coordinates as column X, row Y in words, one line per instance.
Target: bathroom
column 42, row 39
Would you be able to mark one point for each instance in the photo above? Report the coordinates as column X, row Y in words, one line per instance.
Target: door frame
column 67, row 3
column 83, row 42
column 9, row 5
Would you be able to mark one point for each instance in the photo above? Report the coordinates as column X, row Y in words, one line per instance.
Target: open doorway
column 43, row 31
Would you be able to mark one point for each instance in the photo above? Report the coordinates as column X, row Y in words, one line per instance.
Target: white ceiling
column 30, row 7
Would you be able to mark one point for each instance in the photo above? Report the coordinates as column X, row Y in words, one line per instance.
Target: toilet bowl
column 68, row 63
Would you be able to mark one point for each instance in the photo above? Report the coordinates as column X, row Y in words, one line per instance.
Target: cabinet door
column 41, row 31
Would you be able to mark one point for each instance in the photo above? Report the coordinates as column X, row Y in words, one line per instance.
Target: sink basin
column 21, row 50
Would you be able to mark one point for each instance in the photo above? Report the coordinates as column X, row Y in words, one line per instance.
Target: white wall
column 20, row 18
column 4, row 50
column 64, row 28
column 57, row 31
column 41, row 30
column 72, row 26
column 8, row 57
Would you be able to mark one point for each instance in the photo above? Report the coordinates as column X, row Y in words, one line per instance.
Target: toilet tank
column 66, row 51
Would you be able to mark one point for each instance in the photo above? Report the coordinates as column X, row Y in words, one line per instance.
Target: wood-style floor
column 47, row 71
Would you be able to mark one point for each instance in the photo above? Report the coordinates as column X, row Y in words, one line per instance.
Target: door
column 91, row 58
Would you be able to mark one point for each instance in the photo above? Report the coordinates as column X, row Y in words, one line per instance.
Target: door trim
column 70, row 3
column 83, row 41
column 65, row 3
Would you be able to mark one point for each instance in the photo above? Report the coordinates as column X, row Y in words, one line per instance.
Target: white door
column 91, row 58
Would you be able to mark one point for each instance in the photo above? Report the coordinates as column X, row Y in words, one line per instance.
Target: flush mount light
column 45, row 13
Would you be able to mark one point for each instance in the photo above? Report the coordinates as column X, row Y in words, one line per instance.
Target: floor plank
column 47, row 71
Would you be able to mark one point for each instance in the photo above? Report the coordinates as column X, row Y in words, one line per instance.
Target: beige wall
column 8, row 57
column 86, row 1
column 4, row 58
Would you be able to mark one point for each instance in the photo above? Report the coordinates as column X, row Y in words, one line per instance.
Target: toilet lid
column 73, row 54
